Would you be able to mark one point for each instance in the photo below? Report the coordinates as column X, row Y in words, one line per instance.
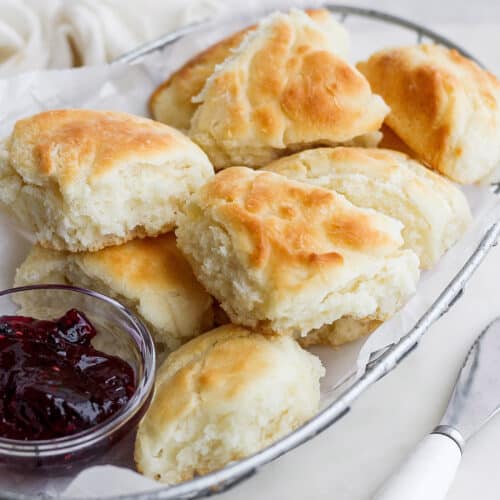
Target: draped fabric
column 37, row 34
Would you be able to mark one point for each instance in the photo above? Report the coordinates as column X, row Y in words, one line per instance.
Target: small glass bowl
column 119, row 333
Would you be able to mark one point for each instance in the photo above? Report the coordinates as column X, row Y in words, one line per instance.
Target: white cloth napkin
column 66, row 33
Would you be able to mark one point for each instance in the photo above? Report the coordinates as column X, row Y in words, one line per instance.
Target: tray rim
column 223, row 479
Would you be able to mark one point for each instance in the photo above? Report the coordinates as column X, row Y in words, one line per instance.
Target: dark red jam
column 53, row 383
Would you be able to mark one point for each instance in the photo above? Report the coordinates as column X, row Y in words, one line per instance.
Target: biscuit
column 443, row 106
column 82, row 180
column 391, row 141
column 433, row 210
column 340, row 332
column 285, row 88
column 223, row 396
column 171, row 102
column 150, row 276
column 289, row 257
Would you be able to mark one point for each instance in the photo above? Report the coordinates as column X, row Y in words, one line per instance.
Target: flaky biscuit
column 391, row 141
column 82, row 180
column 150, row 276
column 434, row 211
column 171, row 102
column 221, row 397
column 443, row 106
column 340, row 332
column 284, row 88
column 290, row 257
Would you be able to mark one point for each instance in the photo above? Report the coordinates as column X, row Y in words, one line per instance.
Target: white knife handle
column 426, row 474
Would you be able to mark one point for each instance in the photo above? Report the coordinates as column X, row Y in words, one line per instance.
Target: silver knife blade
column 476, row 396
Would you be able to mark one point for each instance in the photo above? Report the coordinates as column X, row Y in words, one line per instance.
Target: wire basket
column 395, row 30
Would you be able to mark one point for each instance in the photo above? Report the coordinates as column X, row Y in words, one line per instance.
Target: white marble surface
column 349, row 460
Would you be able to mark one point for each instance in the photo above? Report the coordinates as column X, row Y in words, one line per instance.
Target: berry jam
column 53, row 383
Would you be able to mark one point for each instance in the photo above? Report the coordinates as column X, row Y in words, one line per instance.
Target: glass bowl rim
column 67, row 444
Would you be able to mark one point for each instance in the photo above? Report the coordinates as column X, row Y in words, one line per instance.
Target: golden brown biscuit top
column 381, row 164
column 189, row 80
column 287, row 84
column 319, row 161
column 149, row 263
column 220, row 365
column 432, row 71
column 279, row 223
column 433, row 92
column 65, row 144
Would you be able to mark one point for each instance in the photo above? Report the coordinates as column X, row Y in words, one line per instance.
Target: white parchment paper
column 127, row 88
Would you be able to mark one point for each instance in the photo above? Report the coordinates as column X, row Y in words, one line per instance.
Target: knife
column 428, row 472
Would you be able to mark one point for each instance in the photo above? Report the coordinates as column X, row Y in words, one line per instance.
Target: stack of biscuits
column 257, row 199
